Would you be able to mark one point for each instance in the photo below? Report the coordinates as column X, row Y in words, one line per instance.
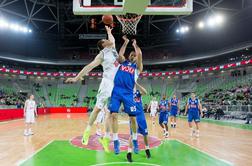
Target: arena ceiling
column 54, row 18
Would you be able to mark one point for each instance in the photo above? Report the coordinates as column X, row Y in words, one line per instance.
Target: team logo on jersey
column 94, row 144
column 128, row 69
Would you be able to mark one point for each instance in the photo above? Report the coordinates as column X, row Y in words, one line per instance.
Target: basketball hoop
column 129, row 23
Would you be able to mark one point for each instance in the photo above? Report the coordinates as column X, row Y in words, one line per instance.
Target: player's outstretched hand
column 125, row 38
column 71, row 80
column 134, row 43
column 108, row 29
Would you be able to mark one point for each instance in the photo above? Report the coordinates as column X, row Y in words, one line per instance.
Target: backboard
column 143, row 7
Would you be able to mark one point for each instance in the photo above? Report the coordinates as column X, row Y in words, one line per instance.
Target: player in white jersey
column 153, row 107
column 109, row 59
column 99, row 121
column 30, row 110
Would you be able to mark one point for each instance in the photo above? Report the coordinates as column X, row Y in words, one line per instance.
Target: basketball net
column 129, row 23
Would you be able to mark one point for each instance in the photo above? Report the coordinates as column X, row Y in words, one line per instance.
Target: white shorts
column 153, row 113
column 104, row 92
column 30, row 117
column 100, row 117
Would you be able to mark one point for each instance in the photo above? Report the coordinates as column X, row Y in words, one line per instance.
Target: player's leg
column 175, row 120
column 165, row 122
column 190, row 119
column 134, row 133
column 91, row 121
column 129, row 154
column 130, row 108
column 26, row 133
column 114, row 106
column 161, row 119
column 104, row 93
column 172, row 120
column 197, row 122
column 106, row 139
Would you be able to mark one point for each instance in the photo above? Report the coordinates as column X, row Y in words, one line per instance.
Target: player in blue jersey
column 194, row 109
column 123, row 91
column 141, row 122
column 174, row 109
column 164, row 115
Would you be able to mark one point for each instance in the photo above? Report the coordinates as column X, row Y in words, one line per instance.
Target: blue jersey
column 174, row 104
column 163, row 105
column 138, row 100
column 126, row 76
column 193, row 105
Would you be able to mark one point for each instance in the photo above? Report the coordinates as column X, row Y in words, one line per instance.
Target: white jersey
column 109, row 64
column 30, row 105
column 153, row 105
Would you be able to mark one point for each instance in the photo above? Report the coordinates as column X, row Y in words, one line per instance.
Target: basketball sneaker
column 166, row 134
column 129, row 157
column 197, row 134
column 116, row 147
column 30, row 132
column 148, row 155
column 85, row 137
column 105, row 143
column 192, row 132
column 135, row 146
column 26, row 133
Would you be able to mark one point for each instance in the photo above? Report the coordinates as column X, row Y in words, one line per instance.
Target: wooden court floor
column 225, row 143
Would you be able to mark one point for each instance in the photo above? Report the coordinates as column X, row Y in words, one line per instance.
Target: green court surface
column 174, row 153
column 223, row 123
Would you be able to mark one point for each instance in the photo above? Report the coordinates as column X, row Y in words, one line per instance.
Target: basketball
column 107, row 19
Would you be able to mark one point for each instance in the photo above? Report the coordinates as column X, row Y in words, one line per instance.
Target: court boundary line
column 31, row 155
column 225, row 161
column 9, row 121
column 113, row 163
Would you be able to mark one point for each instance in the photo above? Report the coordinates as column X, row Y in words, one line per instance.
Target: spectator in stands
column 249, row 116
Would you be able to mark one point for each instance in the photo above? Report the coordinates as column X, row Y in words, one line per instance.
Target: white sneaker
column 197, row 134
column 30, row 132
column 98, row 133
column 192, row 133
column 26, row 133
column 166, row 134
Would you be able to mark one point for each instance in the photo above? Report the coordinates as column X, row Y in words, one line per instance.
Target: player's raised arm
column 123, row 48
column 110, row 35
column 96, row 62
column 139, row 56
column 142, row 89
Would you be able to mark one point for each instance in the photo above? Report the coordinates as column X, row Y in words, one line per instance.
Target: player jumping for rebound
column 153, row 107
column 108, row 58
column 163, row 116
column 141, row 122
column 174, row 110
column 123, row 91
column 194, row 109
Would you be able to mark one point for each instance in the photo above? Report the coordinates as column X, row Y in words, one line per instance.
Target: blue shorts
column 173, row 112
column 193, row 116
column 119, row 96
column 163, row 117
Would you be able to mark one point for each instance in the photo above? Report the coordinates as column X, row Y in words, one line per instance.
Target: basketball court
column 56, row 142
